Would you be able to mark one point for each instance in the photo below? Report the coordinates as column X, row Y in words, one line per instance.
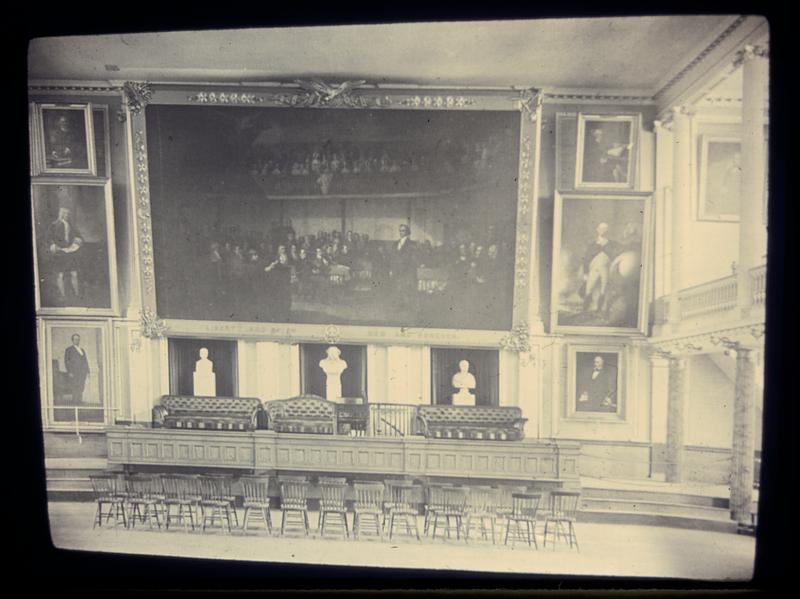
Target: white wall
column 709, row 405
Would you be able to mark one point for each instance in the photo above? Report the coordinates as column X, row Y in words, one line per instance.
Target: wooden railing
column 720, row 295
column 708, row 298
column 758, row 284
column 391, row 420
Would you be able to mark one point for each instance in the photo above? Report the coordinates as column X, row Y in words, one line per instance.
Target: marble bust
column 464, row 381
column 333, row 366
column 205, row 381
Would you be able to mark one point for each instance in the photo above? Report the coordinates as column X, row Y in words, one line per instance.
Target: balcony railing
column 391, row 420
column 758, row 284
column 720, row 296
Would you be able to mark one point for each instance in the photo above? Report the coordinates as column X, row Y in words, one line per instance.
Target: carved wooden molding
column 700, row 57
column 749, row 52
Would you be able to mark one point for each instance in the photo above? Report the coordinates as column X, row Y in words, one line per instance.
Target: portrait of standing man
column 76, row 363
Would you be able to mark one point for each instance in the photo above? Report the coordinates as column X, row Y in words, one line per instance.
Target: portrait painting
column 78, row 379
column 600, row 249
column 720, row 178
column 66, row 139
column 352, row 217
column 606, row 151
column 595, row 382
column 74, row 249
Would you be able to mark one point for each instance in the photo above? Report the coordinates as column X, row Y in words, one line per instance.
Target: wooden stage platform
column 412, row 456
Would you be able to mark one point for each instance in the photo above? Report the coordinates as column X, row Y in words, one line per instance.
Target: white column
column 511, row 383
column 397, row 370
column 752, row 234
column 377, row 374
column 659, row 394
column 247, row 367
column 266, row 360
column 663, row 190
column 681, row 205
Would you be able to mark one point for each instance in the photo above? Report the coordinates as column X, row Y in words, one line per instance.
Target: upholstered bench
column 471, row 422
column 302, row 414
column 210, row 413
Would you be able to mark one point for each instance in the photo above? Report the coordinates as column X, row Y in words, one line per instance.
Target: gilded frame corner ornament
column 137, row 95
column 332, row 334
column 518, row 339
column 152, row 326
column 529, row 101
column 318, row 94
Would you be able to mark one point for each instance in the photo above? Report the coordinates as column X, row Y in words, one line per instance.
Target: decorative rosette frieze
column 152, row 326
column 224, row 98
column 332, row 334
column 529, row 101
column 438, row 102
column 143, row 211
column 137, row 95
column 525, row 176
column 319, row 94
column 518, row 339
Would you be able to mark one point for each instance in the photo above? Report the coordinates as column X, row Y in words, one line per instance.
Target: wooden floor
column 606, row 550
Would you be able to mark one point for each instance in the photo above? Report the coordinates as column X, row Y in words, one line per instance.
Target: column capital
column 683, row 110
column 664, row 124
column 750, row 52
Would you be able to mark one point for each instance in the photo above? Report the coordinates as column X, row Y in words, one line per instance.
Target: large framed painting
column 601, row 257
column 720, row 178
column 606, row 152
column 296, row 211
column 595, row 384
column 76, row 392
column 65, row 140
column 74, row 256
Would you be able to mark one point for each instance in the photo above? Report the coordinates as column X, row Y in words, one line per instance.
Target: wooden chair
column 256, row 501
column 454, row 504
column 481, row 506
column 505, row 503
column 562, row 516
column 404, row 508
column 145, row 499
column 368, row 505
column 294, row 502
column 434, row 502
column 332, row 505
column 227, row 494
column 180, row 492
column 523, row 517
column 214, row 503
column 108, row 491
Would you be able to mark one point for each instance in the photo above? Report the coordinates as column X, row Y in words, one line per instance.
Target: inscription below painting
column 362, row 217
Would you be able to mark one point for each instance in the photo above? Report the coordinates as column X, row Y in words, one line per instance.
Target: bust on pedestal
column 333, row 366
column 463, row 381
column 205, row 381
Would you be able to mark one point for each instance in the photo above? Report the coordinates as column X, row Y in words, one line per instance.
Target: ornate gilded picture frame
column 74, row 248
column 65, row 140
column 302, row 179
column 596, row 389
column 607, row 149
column 601, row 263
column 76, row 390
